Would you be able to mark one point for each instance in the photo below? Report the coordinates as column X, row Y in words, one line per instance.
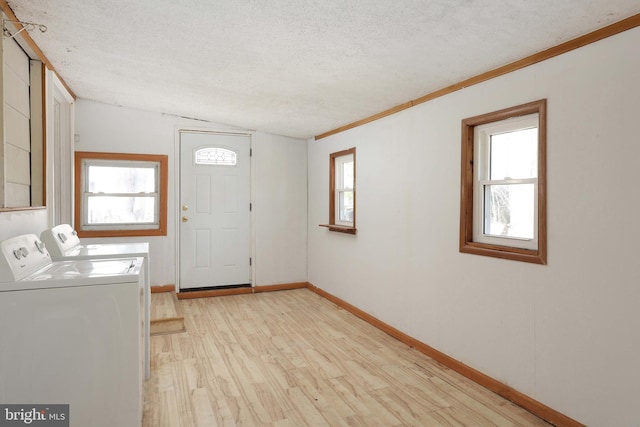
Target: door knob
column 185, row 207
column 185, row 219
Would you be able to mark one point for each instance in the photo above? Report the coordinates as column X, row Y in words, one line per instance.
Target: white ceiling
column 294, row 67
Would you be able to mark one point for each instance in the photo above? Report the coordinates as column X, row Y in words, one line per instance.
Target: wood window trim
column 340, row 228
column 163, row 161
column 332, row 226
column 467, row 245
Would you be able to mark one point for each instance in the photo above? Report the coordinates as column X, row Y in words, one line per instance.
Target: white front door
column 214, row 210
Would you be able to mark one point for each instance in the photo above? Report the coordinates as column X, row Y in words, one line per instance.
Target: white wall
column 566, row 334
column 22, row 222
column 280, row 209
column 279, row 163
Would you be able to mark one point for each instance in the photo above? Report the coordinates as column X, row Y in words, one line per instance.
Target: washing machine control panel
column 21, row 256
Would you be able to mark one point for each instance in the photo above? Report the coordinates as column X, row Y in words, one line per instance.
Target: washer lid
column 111, row 250
column 61, row 274
column 85, row 268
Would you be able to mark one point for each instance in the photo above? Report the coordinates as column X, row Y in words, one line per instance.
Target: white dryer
column 71, row 332
column 63, row 243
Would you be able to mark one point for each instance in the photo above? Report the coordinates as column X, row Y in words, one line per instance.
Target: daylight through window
column 121, row 194
column 342, row 197
column 503, row 186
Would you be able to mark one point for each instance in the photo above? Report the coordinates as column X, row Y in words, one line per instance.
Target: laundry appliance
column 71, row 332
column 63, row 243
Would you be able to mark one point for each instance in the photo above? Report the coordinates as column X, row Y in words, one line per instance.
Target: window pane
column 121, row 210
column 121, row 179
column 514, row 155
column 346, row 206
column 347, row 174
column 509, row 210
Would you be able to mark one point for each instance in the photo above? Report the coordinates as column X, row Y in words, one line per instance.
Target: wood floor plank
column 305, row 409
column 326, row 400
column 163, row 305
column 293, row 358
column 205, row 416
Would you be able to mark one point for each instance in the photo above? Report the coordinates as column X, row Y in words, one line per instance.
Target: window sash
column 89, row 224
column 341, row 214
column 344, row 210
column 342, row 192
column 342, row 182
column 95, row 165
column 482, row 181
column 483, row 224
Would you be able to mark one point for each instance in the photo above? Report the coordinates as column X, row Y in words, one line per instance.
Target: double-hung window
column 503, row 184
column 342, row 191
column 120, row 194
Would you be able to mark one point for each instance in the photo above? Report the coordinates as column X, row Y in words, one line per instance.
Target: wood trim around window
column 332, row 226
column 467, row 245
column 163, row 160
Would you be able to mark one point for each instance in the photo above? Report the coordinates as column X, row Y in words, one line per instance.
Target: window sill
column 121, row 233
column 505, row 252
column 340, row 228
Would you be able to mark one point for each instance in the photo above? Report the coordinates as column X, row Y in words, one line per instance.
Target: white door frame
column 176, row 195
column 59, row 152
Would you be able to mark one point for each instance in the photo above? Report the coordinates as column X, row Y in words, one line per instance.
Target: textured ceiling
column 294, row 67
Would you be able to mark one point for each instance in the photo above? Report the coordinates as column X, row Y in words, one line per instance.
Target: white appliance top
column 104, row 250
column 25, row 266
column 63, row 243
column 60, row 274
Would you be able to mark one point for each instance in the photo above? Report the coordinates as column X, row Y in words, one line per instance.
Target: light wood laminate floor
column 292, row 358
column 164, row 305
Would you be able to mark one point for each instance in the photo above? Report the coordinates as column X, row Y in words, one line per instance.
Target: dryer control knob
column 40, row 245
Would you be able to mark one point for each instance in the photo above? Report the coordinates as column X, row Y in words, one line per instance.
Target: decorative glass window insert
column 215, row 156
column 120, row 194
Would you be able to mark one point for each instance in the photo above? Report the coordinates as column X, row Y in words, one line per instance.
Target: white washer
column 71, row 333
column 63, row 244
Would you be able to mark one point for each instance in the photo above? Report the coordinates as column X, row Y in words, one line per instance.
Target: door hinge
column 250, row 261
column 250, row 152
column 250, row 207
